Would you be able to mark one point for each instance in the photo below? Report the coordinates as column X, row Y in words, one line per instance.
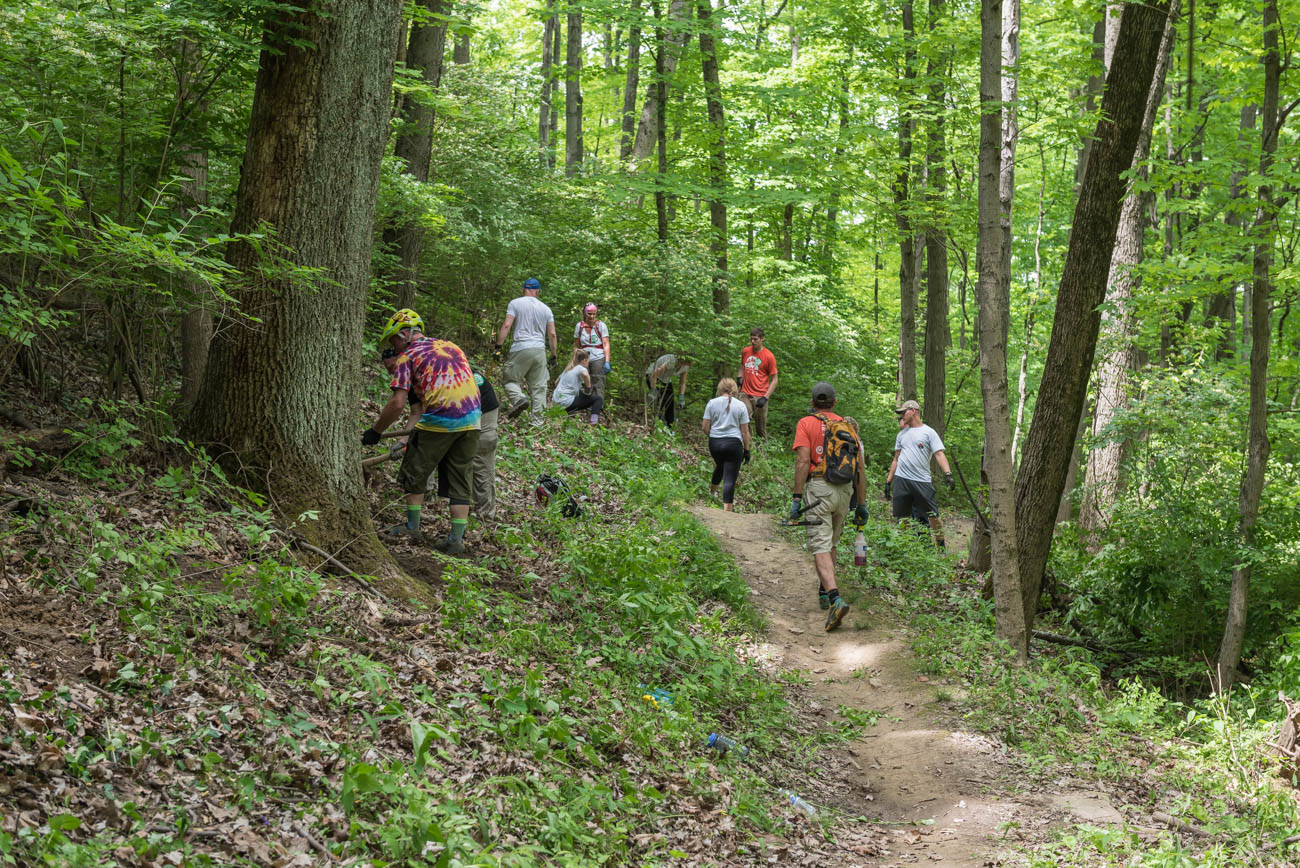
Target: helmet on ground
column 403, row 319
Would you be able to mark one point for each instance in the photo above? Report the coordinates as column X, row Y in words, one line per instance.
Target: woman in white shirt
column 573, row 390
column 591, row 334
column 726, row 423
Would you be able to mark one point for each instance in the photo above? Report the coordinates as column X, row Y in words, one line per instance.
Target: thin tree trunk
column 832, row 212
column 280, row 397
column 717, row 158
column 679, row 12
column 908, row 254
column 1083, row 288
column 1023, row 382
column 661, row 126
column 937, row 336
column 1010, row 135
column 460, row 51
column 632, row 83
column 196, row 322
column 557, row 47
column 1007, row 603
column 1257, row 443
column 1119, row 329
column 787, row 232
column 573, row 95
column 544, row 109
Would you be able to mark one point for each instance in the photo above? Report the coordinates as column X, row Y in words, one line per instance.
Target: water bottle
column 860, row 550
column 799, row 804
column 722, row 744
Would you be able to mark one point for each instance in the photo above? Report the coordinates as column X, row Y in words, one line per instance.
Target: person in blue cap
column 534, row 326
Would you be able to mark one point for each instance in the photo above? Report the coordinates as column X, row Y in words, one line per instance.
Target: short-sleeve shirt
column 486, row 394
column 811, row 432
column 531, row 318
column 914, row 447
column 759, row 369
column 592, row 339
column 672, row 368
column 440, row 373
column 567, row 387
column 726, row 414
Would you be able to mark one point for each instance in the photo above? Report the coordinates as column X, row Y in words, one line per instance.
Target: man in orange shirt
column 758, row 378
column 831, row 506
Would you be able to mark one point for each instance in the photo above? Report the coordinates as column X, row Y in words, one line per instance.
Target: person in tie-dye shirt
column 446, row 436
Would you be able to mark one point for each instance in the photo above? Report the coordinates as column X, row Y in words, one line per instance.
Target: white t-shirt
column 914, row 447
column 726, row 421
column 592, row 339
column 567, row 387
column 531, row 317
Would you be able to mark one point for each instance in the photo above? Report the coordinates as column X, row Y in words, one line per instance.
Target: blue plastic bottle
column 722, row 745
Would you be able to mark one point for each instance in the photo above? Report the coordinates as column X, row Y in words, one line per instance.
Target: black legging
column 727, row 453
column 582, row 402
column 665, row 406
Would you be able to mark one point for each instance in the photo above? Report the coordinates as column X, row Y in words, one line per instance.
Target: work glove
column 745, row 458
column 398, row 446
column 607, row 367
column 889, row 491
column 369, row 437
column 947, row 480
column 796, row 503
column 499, row 351
column 860, row 515
column 681, row 401
column 761, row 402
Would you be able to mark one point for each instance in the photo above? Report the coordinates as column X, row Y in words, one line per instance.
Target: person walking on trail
column 726, row 424
column 758, row 379
column 659, row 381
column 446, row 435
column 828, row 470
column 574, row 392
column 534, row 326
column 908, row 484
column 592, row 335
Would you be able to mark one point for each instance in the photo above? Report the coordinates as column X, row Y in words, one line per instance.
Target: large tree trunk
column 544, row 130
column 280, row 399
column 1073, row 343
column 717, row 158
column 573, row 95
column 1119, row 328
column 414, row 145
column 679, row 11
column 1010, row 135
column 909, row 255
column 937, row 336
column 1257, row 443
column 1007, row 601
column 632, row 82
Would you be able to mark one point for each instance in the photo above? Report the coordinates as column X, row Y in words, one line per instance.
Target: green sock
column 457, row 529
column 413, row 516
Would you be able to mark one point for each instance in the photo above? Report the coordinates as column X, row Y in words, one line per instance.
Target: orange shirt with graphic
column 759, row 369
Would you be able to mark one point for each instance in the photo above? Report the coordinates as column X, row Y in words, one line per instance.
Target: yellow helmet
column 403, row 319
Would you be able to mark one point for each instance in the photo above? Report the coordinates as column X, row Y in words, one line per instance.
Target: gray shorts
column 910, row 494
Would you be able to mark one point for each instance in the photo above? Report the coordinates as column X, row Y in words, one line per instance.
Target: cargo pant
column 485, row 467
column 528, row 367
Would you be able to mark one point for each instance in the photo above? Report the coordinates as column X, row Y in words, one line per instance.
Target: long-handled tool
column 799, row 519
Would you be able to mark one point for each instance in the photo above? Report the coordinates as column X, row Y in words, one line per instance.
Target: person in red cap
column 592, row 335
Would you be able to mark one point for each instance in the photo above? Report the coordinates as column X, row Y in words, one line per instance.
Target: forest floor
column 950, row 796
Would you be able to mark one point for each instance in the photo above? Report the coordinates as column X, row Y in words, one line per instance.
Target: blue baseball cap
column 531, row 283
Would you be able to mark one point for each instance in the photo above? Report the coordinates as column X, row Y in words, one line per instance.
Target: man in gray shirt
column 908, row 484
column 534, row 326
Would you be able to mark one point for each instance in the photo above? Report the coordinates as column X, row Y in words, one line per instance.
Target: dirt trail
column 940, row 795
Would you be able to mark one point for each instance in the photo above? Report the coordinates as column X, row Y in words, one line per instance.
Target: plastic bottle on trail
column 722, row 744
column 860, row 550
column 799, row 804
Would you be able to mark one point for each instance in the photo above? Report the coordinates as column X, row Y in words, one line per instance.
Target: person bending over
column 573, row 390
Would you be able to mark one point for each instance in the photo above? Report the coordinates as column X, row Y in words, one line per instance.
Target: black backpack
column 549, row 486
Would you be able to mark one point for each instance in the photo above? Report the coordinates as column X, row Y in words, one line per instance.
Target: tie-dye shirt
column 439, row 371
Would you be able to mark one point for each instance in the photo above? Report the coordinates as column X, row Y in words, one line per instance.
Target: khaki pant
column 597, row 371
column 528, row 367
column 485, row 467
column 832, row 508
column 757, row 415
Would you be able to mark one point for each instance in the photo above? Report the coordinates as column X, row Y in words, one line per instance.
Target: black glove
column 796, row 503
column 499, row 351
column 369, row 437
column 889, row 491
column 947, row 480
column 761, row 402
column 860, row 515
column 745, row 458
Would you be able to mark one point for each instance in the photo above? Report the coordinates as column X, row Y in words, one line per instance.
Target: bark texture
column 548, row 73
column 909, row 255
column 937, row 336
column 573, row 96
column 631, row 83
column 1082, row 289
column 676, row 35
column 279, row 401
column 717, row 157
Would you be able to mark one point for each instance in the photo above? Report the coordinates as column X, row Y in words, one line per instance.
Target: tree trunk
column 1119, row 329
column 679, row 11
column 280, row 398
column 414, row 145
column 460, row 51
column 196, row 322
column 717, row 158
column 1257, row 443
column 1010, row 135
column 937, row 336
column 573, row 96
column 1073, row 342
column 632, row 82
column 832, row 212
column 1007, row 602
column 660, row 87
column 908, row 252
column 544, row 108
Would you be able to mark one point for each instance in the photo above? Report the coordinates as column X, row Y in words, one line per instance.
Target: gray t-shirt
column 672, row 368
column 914, row 447
column 724, row 421
column 531, row 317
column 567, row 387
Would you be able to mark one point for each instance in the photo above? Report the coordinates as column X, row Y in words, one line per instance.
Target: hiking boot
column 538, row 423
column 450, row 547
column 516, row 408
column 836, row 613
column 823, row 600
column 404, row 532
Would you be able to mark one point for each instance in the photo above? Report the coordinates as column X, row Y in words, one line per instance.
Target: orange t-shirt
column 811, row 433
column 759, row 368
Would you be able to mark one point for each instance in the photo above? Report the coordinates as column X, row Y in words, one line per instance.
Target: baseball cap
column 591, row 305
column 823, row 391
column 907, row 405
column 531, row 283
